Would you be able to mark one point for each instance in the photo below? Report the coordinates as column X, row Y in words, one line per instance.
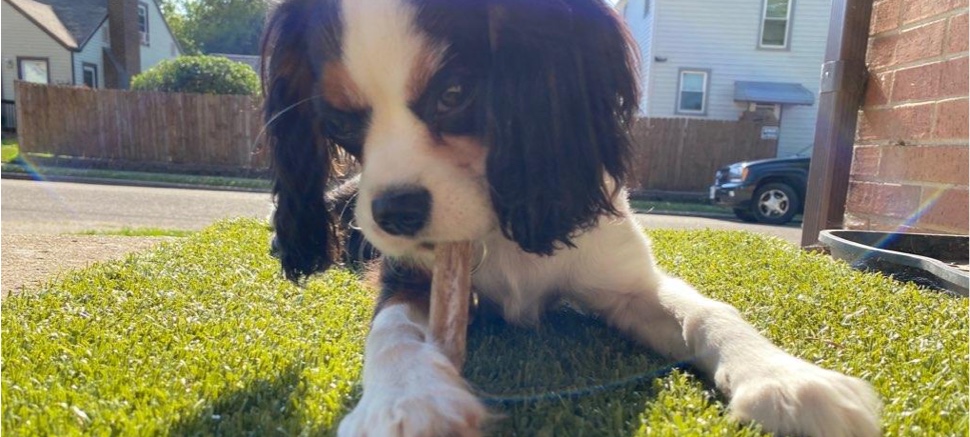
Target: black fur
column 357, row 251
column 301, row 35
column 561, row 95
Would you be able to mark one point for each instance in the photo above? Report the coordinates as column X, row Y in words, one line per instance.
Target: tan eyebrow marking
column 339, row 89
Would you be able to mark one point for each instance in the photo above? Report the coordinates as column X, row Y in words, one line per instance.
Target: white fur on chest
column 614, row 255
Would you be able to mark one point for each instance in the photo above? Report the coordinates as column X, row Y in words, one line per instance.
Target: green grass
column 173, row 178
column 660, row 206
column 9, row 152
column 140, row 232
column 201, row 337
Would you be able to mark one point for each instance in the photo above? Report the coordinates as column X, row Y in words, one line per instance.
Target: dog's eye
column 448, row 103
column 455, row 94
column 345, row 128
column 341, row 125
column 451, row 98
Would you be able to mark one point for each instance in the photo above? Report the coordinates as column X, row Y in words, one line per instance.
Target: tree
column 217, row 26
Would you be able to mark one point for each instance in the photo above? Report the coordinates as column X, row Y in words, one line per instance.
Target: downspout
column 842, row 89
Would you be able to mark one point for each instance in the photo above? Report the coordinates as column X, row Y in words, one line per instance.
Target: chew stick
column 450, row 293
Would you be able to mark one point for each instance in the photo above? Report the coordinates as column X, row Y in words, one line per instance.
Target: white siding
column 722, row 36
column 161, row 41
column 92, row 53
column 641, row 28
column 21, row 37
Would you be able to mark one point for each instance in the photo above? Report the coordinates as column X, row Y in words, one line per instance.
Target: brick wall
column 910, row 164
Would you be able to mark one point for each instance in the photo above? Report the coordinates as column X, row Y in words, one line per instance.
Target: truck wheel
column 774, row 203
column 744, row 215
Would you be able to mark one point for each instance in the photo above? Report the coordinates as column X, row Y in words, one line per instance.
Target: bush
column 198, row 74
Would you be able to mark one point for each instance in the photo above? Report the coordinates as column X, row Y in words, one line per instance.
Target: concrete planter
column 933, row 260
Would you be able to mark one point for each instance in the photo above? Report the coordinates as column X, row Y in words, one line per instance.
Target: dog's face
column 415, row 100
column 466, row 117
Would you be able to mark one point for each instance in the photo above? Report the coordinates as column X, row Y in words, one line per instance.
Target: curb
column 129, row 182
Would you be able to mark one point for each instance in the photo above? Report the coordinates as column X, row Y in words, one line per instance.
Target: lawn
column 138, row 176
column 662, row 206
column 9, row 152
column 201, row 337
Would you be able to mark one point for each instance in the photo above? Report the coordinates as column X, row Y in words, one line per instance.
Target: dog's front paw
column 427, row 402
column 798, row 398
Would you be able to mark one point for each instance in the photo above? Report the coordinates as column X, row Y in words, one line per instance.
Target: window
column 143, row 23
column 33, row 70
column 90, row 73
column 692, row 92
column 775, row 24
column 646, row 8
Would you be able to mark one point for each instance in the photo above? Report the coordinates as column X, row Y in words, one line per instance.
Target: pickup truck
column 768, row 191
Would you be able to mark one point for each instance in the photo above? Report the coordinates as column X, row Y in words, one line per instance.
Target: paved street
column 30, row 207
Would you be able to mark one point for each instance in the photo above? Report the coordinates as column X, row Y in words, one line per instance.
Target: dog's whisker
column 262, row 132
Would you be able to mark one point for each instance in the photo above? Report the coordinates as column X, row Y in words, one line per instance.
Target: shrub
column 198, row 74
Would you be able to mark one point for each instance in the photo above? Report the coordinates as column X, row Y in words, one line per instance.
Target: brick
column 955, row 78
column 921, row 42
column 957, row 35
column 855, row 222
column 925, row 164
column 892, row 200
column 865, row 162
column 915, row 10
column 878, row 89
column 916, row 83
column 885, row 16
column 902, row 124
column 882, row 51
column 951, row 121
column 945, row 209
column 891, row 224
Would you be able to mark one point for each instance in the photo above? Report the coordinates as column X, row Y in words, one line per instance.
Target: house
column 729, row 59
column 94, row 43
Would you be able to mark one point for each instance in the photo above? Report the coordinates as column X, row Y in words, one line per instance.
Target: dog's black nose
column 402, row 211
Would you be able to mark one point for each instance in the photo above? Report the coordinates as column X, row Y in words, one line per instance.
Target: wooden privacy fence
column 669, row 154
column 682, row 154
column 140, row 127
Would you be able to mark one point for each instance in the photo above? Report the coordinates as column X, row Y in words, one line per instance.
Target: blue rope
column 577, row 392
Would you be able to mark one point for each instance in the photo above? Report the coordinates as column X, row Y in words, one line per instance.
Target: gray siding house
column 94, row 43
column 720, row 59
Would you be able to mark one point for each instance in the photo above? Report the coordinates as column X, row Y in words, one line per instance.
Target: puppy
column 505, row 123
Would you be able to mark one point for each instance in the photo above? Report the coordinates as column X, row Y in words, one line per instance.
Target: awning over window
column 772, row 92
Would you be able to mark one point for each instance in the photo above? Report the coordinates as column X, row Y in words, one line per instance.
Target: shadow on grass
column 572, row 375
column 264, row 408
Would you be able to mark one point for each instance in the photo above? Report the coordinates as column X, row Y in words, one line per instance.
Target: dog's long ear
column 301, row 36
column 562, row 92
